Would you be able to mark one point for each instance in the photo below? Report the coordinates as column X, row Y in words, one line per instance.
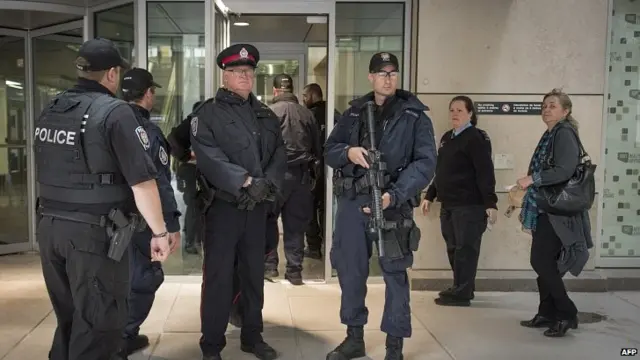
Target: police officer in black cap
column 301, row 134
column 404, row 137
column 138, row 88
column 94, row 175
column 242, row 158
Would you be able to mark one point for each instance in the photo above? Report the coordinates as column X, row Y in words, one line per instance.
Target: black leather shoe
column 211, row 357
column 261, row 350
column 560, row 328
column 452, row 301
column 271, row 273
column 137, row 343
column 538, row 321
column 294, row 278
column 451, row 292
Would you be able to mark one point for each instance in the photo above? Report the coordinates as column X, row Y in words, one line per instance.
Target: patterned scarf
column 529, row 213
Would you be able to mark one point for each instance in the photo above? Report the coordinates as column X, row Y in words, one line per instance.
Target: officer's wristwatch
column 161, row 235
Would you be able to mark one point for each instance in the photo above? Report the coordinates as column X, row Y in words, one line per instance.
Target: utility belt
column 353, row 186
column 399, row 237
column 119, row 226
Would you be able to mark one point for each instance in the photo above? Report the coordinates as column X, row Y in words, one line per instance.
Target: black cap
column 283, row 82
column 138, row 79
column 382, row 59
column 99, row 54
column 239, row 54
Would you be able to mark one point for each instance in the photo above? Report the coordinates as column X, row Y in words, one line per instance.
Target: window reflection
column 176, row 58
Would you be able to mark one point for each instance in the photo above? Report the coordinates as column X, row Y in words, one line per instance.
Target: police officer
column 91, row 164
column 180, row 142
column 302, row 138
column 313, row 100
column 240, row 152
column 405, row 139
column 138, row 89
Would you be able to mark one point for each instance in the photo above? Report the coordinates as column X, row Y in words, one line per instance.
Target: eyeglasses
column 240, row 72
column 387, row 74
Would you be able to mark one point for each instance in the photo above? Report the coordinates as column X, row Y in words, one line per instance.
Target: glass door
column 14, row 187
column 51, row 55
column 270, row 66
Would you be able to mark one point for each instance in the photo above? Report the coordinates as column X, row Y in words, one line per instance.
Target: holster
column 204, row 195
column 121, row 231
column 400, row 238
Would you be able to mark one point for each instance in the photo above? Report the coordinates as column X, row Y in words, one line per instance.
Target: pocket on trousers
column 109, row 307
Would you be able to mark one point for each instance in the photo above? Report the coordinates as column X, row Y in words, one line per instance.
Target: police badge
column 194, row 125
column 143, row 137
column 244, row 53
column 385, row 57
column 162, row 155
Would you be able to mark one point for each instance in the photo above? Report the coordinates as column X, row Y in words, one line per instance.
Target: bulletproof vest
column 64, row 133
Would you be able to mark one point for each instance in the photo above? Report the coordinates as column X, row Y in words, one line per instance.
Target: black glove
column 245, row 202
column 259, row 189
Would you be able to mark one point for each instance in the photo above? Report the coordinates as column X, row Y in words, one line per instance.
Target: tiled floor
column 303, row 323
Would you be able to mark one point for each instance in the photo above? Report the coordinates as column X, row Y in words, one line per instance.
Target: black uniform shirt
column 464, row 171
column 126, row 147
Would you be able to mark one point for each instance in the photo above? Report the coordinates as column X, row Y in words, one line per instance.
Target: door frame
column 310, row 8
column 302, row 61
column 27, row 245
column 48, row 33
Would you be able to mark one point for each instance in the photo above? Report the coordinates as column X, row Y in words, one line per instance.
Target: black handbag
column 574, row 196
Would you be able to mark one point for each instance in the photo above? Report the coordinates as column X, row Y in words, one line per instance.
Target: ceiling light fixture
column 240, row 23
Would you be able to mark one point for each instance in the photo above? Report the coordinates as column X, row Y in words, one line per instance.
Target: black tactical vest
column 70, row 128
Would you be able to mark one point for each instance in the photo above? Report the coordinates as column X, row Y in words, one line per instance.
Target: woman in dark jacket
column 465, row 185
column 554, row 234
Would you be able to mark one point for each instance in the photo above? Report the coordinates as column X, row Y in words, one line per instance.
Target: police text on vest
column 55, row 136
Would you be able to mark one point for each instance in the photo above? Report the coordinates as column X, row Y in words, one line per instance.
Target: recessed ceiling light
column 240, row 23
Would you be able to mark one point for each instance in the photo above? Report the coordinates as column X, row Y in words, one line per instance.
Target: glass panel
column 267, row 70
column 117, row 25
column 14, row 215
column 621, row 217
column 220, row 44
column 317, row 66
column 176, row 60
column 377, row 21
column 52, row 69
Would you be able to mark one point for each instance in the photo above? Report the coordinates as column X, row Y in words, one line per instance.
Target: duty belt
column 98, row 220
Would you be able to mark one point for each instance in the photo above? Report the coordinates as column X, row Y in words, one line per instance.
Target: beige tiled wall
column 511, row 46
column 496, row 51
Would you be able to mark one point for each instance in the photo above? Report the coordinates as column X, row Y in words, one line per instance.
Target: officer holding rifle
column 93, row 173
column 395, row 157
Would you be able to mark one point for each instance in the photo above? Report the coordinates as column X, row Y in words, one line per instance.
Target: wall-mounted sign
column 508, row 108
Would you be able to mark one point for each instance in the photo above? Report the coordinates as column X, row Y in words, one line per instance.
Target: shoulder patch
column 143, row 137
column 484, row 134
column 412, row 113
column 162, row 155
column 194, row 125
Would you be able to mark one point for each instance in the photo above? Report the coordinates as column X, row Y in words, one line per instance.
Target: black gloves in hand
column 259, row 189
column 245, row 202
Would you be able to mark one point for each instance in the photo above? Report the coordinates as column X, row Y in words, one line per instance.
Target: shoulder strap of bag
column 584, row 156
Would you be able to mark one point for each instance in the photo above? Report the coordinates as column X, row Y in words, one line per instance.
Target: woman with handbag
column 559, row 225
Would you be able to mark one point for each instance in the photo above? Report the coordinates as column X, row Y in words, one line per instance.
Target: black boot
column 352, row 347
column 394, row 348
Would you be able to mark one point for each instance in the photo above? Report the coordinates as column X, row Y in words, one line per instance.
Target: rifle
column 375, row 174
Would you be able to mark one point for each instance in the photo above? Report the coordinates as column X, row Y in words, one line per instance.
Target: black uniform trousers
column 230, row 232
column 146, row 276
column 545, row 249
column 296, row 207
column 88, row 290
column 192, row 223
column 315, row 231
column 462, row 228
